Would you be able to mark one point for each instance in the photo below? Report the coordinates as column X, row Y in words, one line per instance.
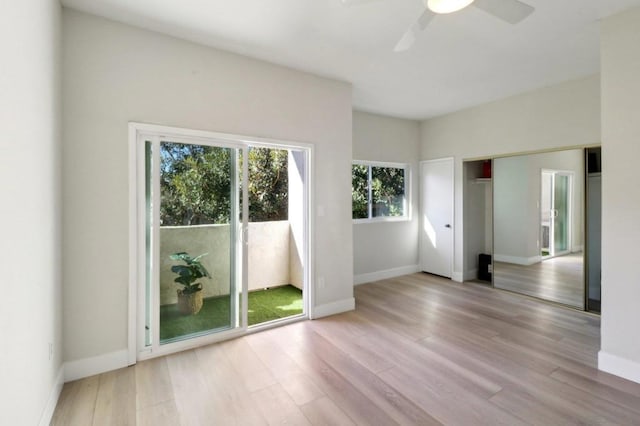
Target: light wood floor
column 559, row 279
column 418, row 350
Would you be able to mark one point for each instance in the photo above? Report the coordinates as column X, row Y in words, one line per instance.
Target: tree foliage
column 387, row 191
column 196, row 185
column 268, row 184
column 195, row 182
column 387, row 186
column 360, row 191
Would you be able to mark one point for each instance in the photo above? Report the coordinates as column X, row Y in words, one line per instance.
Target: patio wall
column 270, row 262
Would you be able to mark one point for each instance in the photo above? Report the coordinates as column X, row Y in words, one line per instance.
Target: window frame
column 407, row 191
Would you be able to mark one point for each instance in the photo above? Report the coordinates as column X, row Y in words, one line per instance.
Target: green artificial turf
column 274, row 303
column 214, row 314
column 264, row 305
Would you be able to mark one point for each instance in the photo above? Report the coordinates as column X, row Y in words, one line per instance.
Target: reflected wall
column 538, row 221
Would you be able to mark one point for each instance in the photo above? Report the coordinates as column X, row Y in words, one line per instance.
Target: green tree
column 387, row 191
column 387, row 186
column 268, row 184
column 360, row 191
column 196, row 184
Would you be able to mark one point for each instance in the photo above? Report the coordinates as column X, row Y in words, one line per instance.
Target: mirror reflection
column 538, row 239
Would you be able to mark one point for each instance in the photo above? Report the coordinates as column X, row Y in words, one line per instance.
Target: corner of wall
column 86, row 367
column 385, row 274
column 333, row 308
column 52, row 401
column 618, row 366
column 457, row 277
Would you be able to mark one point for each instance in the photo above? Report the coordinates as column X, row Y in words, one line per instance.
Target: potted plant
column 190, row 295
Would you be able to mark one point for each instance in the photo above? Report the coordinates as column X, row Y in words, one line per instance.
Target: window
column 379, row 191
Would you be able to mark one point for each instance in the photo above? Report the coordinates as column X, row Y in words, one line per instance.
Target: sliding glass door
column 555, row 208
column 561, row 219
column 221, row 238
column 193, row 283
column 198, row 221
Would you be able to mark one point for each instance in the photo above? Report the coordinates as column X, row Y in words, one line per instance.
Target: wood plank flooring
column 418, row 350
column 559, row 279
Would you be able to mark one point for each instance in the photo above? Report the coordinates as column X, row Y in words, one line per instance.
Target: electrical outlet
column 50, row 351
column 320, row 282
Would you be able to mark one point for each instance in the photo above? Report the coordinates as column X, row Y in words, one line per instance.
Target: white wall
column 620, row 345
column 296, row 170
column 30, row 211
column 387, row 248
column 511, row 207
column 113, row 74
column 269, row 254
column 565, row 115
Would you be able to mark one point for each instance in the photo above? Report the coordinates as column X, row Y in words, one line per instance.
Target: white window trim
column 407, row 192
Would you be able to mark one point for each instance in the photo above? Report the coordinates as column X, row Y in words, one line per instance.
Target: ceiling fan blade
column 511, row 11
column 409, row 37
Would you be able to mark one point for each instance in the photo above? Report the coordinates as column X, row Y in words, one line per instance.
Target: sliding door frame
column 138, row 133
column 570, row 211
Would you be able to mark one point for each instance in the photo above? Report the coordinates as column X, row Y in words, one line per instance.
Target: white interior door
column 436, row 210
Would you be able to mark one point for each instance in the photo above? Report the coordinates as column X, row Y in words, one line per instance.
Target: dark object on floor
column 484, row 267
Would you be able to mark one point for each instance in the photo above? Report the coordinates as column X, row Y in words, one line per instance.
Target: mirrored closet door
column 532, row 225
column 538, row 220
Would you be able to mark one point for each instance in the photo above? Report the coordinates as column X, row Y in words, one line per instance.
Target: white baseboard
column 333, row 308
column 517, row 260
column 618, row 366
column 86, row 367
column 54, row 395
column 385, row 274
column 457, row 277
column 471, row 274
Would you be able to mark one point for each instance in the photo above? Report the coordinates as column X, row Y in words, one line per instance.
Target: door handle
column 447, row 226
column 244, row 234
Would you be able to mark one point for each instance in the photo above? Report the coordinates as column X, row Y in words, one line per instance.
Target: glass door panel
column 561, row 214
column 192, row 225
column 546, row 213
column 276, row 229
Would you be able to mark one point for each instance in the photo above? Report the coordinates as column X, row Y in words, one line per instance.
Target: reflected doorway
column 556, row 223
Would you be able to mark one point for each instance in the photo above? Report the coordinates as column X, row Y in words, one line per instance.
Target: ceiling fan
column 511, row 11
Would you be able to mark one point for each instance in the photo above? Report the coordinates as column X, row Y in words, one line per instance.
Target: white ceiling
column 460, row 60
